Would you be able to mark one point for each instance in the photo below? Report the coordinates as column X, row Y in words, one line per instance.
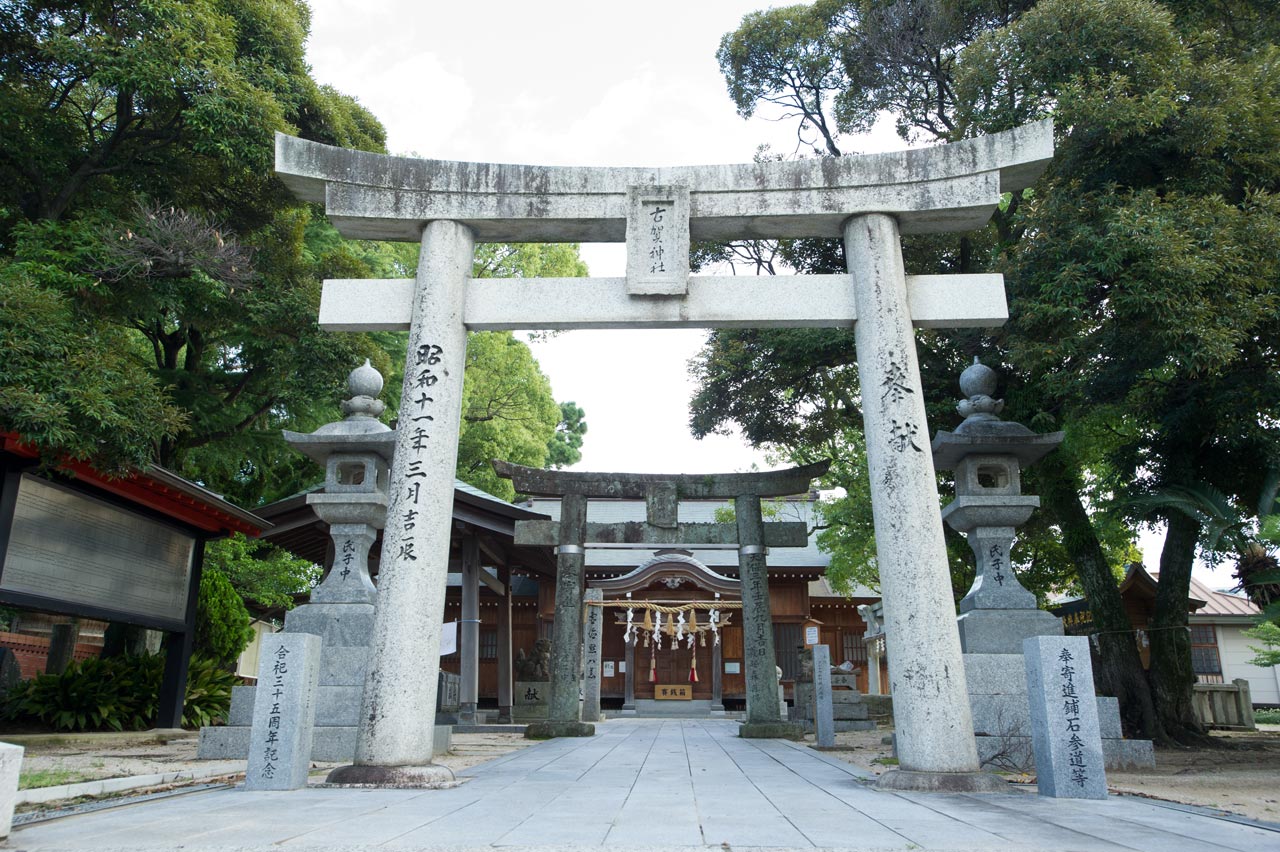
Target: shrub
column 117, row 694
column 222, row 622
column 208, row 698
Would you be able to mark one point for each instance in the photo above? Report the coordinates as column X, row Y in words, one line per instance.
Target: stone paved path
column 648, row 784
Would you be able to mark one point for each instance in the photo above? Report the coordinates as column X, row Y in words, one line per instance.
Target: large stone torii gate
column 869, row 201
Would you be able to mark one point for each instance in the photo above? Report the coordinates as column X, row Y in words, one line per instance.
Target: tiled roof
column 1220, row 603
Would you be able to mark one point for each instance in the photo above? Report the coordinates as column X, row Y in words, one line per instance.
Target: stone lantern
column 988, row 455
column 355, row 453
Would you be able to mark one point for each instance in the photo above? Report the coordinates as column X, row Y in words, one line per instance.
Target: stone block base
column 328, row 744
column 942, row 782
column 427, row 777
column 771, row 731
column 337, row 625
column 1002, row 631
column 1002, row 717
column 841, row 725
column 550, row 729
column 1013, row 754
column 1128, row 754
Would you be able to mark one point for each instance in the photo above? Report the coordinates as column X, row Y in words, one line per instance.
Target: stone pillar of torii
column 868, row 201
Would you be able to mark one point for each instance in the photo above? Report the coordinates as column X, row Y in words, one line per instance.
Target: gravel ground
column 88, row 761
column 1239, row 776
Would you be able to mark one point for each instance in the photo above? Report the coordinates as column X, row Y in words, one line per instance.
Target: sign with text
column 68, row 547
column 672, row 691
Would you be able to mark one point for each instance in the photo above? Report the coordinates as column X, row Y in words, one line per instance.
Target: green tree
column 222, row 621
column 565, row 446
column 70, row 381
column 168, row 99
column 508, row 411
column 1141, row 270
column 135, row 172
column 259, row 571
column 1268, row 633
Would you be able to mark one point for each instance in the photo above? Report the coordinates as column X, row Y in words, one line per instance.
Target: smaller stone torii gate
column 868, row 201
column 662, row 494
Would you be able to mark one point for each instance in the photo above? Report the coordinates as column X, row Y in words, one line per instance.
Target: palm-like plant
column 1223, row 527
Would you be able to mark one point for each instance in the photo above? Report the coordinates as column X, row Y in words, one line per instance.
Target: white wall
column 1233, row 648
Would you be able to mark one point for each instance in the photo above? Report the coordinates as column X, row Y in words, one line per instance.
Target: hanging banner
column 448, row 638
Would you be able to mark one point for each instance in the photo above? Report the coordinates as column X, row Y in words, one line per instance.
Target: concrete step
column 328, row 744
column 336, row 706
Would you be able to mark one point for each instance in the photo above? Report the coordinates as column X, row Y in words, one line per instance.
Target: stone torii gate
column 662, row 494
column 868, row 201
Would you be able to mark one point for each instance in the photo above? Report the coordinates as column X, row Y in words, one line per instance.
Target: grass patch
column 50, row 778
column 886, row 761
column 1267, row 717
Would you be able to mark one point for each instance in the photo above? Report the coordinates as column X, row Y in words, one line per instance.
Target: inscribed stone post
column 566, row 636
column 10, row 767
column 1064, row 718
column 284, row 712
column 394, row 741
column 926, row 671
column 763, row 717
column 823, row 714
column 592, row 644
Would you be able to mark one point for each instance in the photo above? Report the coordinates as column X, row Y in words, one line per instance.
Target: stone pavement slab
column 647, row 784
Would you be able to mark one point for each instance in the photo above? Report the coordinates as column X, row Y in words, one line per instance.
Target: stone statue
column 869, row 617
column 536, row 666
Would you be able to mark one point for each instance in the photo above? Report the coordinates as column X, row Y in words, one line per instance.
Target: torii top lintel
column 929, row 190
column 725, row 486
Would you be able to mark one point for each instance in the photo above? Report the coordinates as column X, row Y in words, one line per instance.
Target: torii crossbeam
column 868, row 201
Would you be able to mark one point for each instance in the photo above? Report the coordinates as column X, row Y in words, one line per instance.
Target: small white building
column 1219, row 649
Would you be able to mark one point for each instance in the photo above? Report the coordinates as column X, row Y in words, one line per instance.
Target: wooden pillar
column 629, row 679
column 717, row 677
column 177, row 652
column 505, row 678
column 469, row 631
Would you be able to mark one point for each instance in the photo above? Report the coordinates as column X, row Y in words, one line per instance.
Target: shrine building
column 633, row 675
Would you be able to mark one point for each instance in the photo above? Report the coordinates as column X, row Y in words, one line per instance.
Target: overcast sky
column 575, row 82
column 567, row 83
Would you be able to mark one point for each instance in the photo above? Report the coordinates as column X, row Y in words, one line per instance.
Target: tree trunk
column 1172, row 675
column 1119, row 667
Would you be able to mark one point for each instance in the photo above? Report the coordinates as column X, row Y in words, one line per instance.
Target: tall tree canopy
column 163, row 285
column 1142, row 269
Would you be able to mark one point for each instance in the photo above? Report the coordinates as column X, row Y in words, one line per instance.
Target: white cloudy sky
column 573, row 82
column 560, row 82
